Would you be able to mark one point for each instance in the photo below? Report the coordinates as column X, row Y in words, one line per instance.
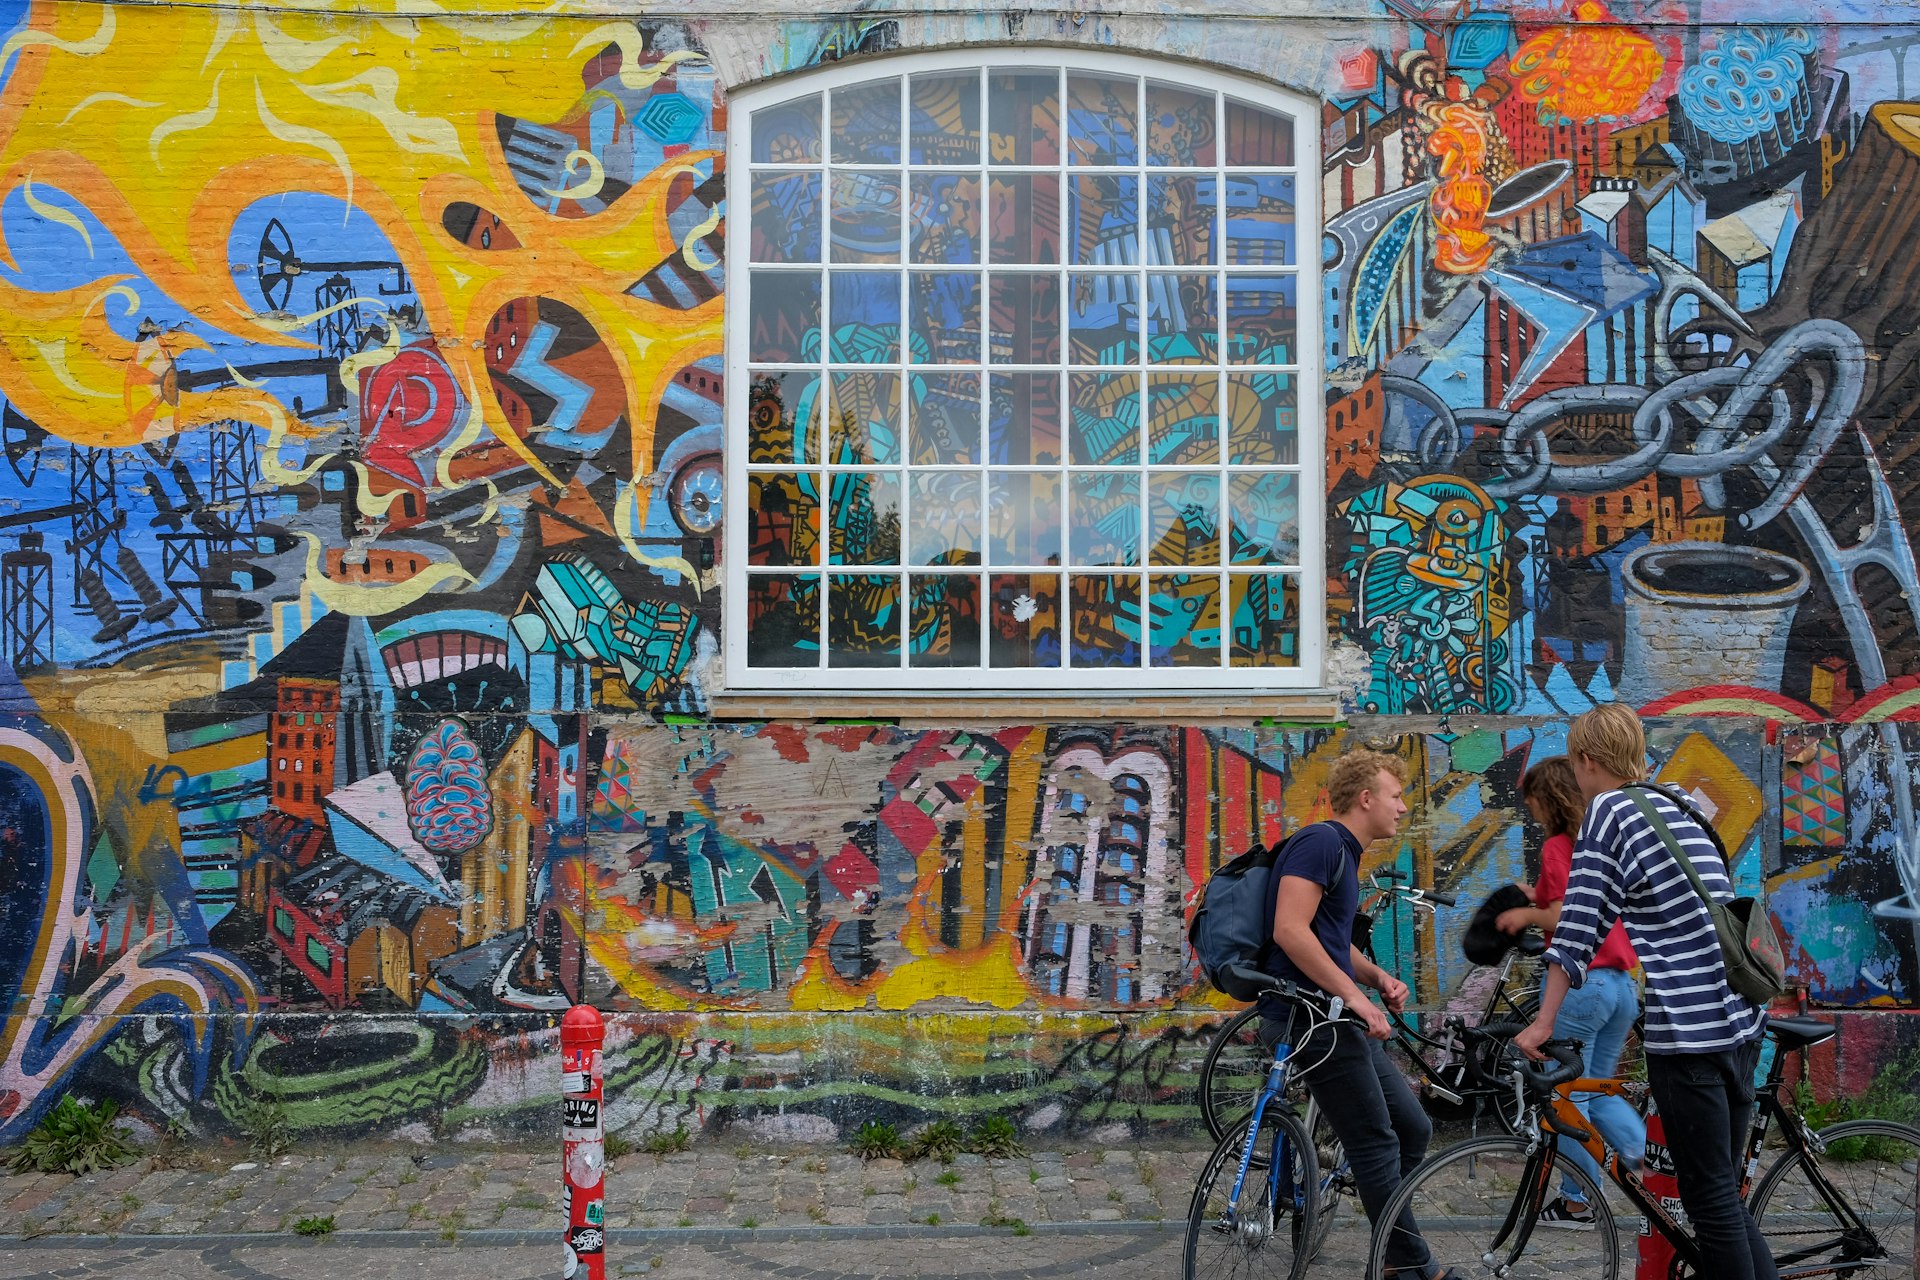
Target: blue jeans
column 1598, row 1014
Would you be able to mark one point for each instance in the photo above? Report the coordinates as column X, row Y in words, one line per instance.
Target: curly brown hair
column 1552, row 783
column 1358, row 771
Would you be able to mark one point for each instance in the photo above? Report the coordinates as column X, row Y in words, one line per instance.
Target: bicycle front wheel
column 1264, row 1233
column 1234, row 1072
column 1867, row 1218
column 1461, row 1202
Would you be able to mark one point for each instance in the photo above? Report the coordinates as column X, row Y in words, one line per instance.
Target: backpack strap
column 1665, row 832
column 1684, row 803
column 1273, row 879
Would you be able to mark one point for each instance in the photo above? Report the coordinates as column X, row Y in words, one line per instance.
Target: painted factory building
column 818, row 534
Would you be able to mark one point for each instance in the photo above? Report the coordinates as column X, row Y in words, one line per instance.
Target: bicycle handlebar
column 1398, row 887
column 1569, row 1065
column 1316, row 1001
column 1540, row 1081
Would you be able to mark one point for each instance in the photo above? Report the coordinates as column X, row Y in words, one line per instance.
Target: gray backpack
column 1233, row 925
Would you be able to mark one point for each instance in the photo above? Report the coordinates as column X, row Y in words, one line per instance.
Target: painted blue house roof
column 1584, row 267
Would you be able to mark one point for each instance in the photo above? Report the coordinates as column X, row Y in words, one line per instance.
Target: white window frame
column 1309, row 373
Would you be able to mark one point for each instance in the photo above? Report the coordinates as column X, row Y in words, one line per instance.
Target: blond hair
column 1358, row 771
column 1610, row 735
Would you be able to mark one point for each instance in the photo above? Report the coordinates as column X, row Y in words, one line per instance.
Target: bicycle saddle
column 1798, row 1033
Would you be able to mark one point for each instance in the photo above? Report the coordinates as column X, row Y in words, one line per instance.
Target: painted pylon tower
column 26, row 605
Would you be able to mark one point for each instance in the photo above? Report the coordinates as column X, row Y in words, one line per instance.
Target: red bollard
column 1656, row 1175
column 584, row 1167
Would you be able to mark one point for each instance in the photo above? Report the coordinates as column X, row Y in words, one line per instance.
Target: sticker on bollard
column 586, row 1164
column 580, row 1119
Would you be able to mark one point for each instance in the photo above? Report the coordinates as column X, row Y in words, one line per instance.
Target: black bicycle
column 1236, row 1064
column 1837, row 1202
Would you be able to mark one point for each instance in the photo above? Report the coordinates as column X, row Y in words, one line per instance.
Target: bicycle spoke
column 1247, row 1239
column 1856, row 1215
column 1461, row 1200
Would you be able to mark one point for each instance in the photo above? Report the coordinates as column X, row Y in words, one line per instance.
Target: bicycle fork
column 1252, row 1230
column 1524, row 1212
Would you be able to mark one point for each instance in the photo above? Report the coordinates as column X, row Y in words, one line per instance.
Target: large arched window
column 1022, row 382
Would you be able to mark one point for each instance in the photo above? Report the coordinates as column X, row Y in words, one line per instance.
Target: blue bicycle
column 1262, row 1205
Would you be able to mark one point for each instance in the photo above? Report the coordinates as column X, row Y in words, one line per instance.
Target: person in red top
column 1600, row 1012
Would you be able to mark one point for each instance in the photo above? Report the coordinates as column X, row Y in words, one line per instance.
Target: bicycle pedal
column 1445, row 1095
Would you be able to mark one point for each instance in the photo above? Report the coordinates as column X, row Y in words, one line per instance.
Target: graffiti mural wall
column 363, row 394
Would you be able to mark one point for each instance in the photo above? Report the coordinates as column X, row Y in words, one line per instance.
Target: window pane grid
column 1135, row 304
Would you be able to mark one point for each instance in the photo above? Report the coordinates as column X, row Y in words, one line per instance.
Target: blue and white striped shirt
column 1622, row 869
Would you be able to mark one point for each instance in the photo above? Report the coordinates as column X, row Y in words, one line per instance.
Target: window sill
column 1173, row 707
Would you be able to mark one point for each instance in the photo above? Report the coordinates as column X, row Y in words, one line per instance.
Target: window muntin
column 1018, row 390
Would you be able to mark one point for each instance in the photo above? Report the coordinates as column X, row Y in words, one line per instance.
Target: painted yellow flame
column 587, row 187
column 384, row 110
column 627, row 519
column 91, row 99
column 367, row 601
column 53, row 213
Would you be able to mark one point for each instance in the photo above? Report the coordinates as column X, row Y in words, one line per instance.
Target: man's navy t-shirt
column 1329, row 855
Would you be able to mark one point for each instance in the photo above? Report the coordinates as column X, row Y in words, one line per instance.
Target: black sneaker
column 1566, row 1216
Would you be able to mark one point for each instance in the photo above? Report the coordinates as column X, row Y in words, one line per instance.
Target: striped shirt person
column 1702, row 1039
column 1622, row 870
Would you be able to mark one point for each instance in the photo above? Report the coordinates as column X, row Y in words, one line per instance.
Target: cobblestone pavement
column 1119, row 1251
column 450, row 1192
column 718, row 1212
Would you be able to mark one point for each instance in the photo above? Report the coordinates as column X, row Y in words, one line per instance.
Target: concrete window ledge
column 1028, row 708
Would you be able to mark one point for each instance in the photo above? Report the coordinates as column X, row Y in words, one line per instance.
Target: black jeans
column 1706, row 1104
column 1376, row 1117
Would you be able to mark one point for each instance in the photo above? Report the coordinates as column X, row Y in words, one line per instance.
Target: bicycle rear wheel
column 1870, row 1165
column 1234, row 1072
column 1462, row 1198
column 1262, row 1236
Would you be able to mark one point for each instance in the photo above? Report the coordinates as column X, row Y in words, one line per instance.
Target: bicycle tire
column 1233, row 1073
column 1878, row 1185
column 1460, row 1198
column 1270, row 1243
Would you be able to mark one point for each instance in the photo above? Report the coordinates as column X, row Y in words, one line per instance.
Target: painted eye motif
column 472, row 225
